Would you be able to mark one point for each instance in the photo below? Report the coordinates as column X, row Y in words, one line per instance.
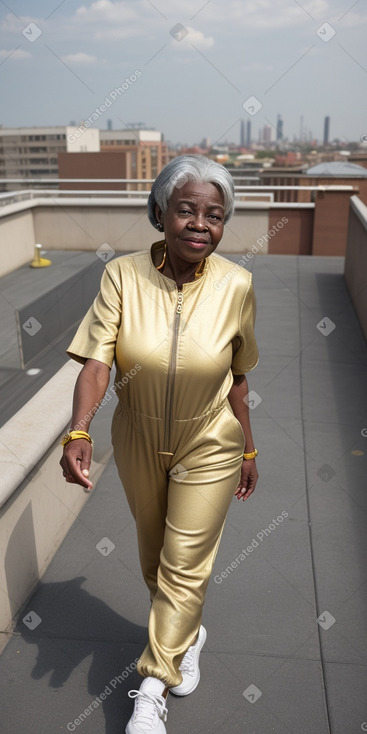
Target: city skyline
column 266, row 136
column 189, row 73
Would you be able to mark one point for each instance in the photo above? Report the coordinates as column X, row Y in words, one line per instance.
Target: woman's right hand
column 75, row 463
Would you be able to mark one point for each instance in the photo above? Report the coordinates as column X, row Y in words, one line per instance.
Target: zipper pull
column 179, row 302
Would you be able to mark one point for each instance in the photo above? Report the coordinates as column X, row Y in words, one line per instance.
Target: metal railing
column 10, row 197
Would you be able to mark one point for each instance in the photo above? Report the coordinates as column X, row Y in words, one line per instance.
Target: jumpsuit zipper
column 171, row 378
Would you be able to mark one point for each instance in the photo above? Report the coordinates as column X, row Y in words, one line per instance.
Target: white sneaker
column 190, row 667
column 150, row 710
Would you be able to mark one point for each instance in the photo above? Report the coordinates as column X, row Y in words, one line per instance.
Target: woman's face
column 193, row 223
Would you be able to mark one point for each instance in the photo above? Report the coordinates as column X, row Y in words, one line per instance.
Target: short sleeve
column 245, row 354
column 97, row 333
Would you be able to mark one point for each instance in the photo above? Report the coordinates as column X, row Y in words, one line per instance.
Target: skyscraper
column 279, row 128
column 242, row 134
column 266, row 135
column 326, row 130
column 248, row 134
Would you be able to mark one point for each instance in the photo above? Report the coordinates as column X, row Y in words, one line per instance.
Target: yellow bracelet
column 73, row 435
column 250, row 455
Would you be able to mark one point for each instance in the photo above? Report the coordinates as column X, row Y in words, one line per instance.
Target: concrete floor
column 269, row 667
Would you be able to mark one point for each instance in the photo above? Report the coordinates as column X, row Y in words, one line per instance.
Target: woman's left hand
column 249, row 477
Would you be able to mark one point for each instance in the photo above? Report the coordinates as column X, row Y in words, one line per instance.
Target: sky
column 203, row 65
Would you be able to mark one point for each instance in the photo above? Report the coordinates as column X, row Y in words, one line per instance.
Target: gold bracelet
column 251, row 455
column 73, row 435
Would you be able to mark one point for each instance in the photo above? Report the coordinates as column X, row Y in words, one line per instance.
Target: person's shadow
column 76, row 625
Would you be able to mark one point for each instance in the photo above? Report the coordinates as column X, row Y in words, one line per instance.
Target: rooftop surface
column 294, row 553
column 337, row 168
column 38, row 312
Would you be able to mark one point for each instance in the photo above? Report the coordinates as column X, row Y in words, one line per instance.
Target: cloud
column 110, row 19
column 273, row 14
column 191, row 37
column 254, row 14
column 79, row 58
column 107, row 12
column 12, row 24
column 17, row 54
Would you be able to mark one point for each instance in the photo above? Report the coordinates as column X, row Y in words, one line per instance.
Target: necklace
column 160, row 266
column 198, row 272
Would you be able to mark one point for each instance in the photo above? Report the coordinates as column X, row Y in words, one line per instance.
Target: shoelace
column 188, row 662
column 147, row 706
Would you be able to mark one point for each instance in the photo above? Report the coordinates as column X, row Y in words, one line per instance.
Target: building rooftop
column 288, row 616
column 342, row 169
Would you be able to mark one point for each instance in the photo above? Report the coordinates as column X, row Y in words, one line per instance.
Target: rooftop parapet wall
column 17, row 240
column 83, row 220
column 37, row 506
column 355, row 271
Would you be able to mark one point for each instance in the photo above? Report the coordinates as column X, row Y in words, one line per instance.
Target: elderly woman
column 184, row 330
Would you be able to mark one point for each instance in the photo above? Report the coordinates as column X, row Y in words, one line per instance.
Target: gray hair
column 186, row 168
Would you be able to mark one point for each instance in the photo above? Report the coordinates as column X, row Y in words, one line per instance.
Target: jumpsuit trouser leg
column 179, row 518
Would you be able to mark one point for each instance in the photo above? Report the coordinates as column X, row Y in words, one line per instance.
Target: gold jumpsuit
column 177, row 445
